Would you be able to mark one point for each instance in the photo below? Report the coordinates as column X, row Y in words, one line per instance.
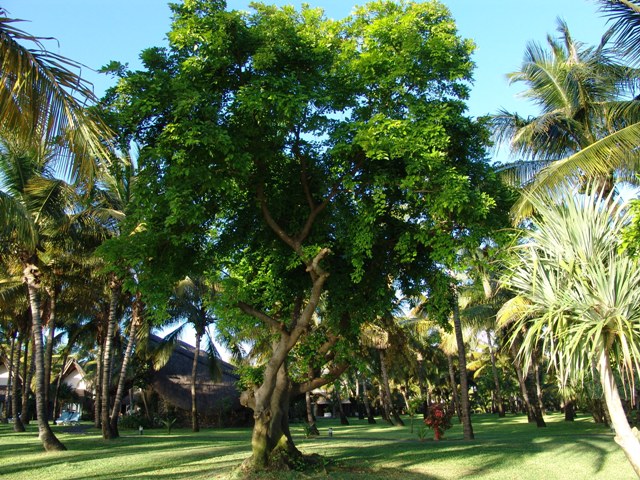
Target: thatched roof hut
column 173, row 382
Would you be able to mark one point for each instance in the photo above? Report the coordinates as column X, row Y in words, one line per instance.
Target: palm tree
column 191, row 306
column 579, row 299
column 38, row 204
column 42, row 99
column 588, row 120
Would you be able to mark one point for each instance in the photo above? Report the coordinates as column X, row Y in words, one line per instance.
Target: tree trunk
column 144, row 403
column 97, row 401
column 343, row 418
column 107, row 433
column 624, row 435
column 271, row 438
column 496, row 377
column 311, row 419
column 365, row 398
column 46, row 435
column 48, row 355
column 59, row 381
column 392, row 414
column 27, row 374
column 569, row 411
column 133, row 330
column 465, row 408
column 195, row 426
column 454, row 388
column 17, row 421
column 531, row 417
column 7, row 398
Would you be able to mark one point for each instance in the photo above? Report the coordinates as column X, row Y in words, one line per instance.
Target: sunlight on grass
column 504, row 448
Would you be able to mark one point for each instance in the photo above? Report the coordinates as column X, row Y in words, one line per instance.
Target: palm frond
column 213, row 357
column 39, row 93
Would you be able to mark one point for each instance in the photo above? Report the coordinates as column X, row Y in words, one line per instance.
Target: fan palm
column 578, row 299
column 588, row 120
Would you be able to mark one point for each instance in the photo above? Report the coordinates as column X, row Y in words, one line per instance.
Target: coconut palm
column 38, row 203
column 588, row 120
column 43, row 99
column 190, row 306
column 579, row 299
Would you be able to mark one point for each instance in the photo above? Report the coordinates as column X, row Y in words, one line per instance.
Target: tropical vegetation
column 311, row 194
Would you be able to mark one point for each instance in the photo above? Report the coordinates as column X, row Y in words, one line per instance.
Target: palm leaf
column 39, row 94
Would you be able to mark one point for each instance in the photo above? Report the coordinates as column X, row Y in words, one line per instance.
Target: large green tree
column 303, row 162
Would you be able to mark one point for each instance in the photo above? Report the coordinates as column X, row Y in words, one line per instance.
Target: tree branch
column 335, row 372
column 249, row 310
column 279, row 231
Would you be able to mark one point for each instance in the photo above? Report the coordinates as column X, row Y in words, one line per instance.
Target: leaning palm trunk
column 59, row 381
column 496, row 378
column 106, row 360
column 343, row 418
column 117, row 402
column 7, row 397
column 367, row 405
column 46, row 435
column 97, row 401
column 27, row 374
column 624, row 435
column 392, row 414
column 48, row 354
column 465, row 408
column 454, row 388
column 195, row 425
column 17, row 422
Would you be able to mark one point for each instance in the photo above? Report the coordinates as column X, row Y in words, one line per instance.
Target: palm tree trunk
column 17, row 422
column 27, row 374
column 59, row 381
column 106, row 360
column 454, row 388
column 392, row 415
column 536, row 375
column 7, row 398
column 117, row 403
column 496, row 377
column 46, row 435
column 343, row 417
column 97, row 401
column 365, row 399
column 195, row 426
column 624, row 435
column 465, row 409
column 48, row 356
column 311, row 419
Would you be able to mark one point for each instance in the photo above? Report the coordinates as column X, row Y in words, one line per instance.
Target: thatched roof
column 173, row 381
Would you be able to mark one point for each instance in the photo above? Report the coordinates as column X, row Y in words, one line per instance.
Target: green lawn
column 505, row 449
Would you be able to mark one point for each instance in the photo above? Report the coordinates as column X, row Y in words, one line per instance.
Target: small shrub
column 134, row 421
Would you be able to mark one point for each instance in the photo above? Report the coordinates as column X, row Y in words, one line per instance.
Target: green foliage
column 135, row 421
column 577, row 296
column 168, row 423
column 250, row 376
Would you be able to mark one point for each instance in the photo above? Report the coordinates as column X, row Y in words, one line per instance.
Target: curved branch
column 333, row 374
column 249, row 310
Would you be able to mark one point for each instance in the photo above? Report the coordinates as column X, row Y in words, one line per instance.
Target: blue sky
column 94, row 32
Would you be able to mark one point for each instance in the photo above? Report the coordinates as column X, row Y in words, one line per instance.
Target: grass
column 506, row 448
